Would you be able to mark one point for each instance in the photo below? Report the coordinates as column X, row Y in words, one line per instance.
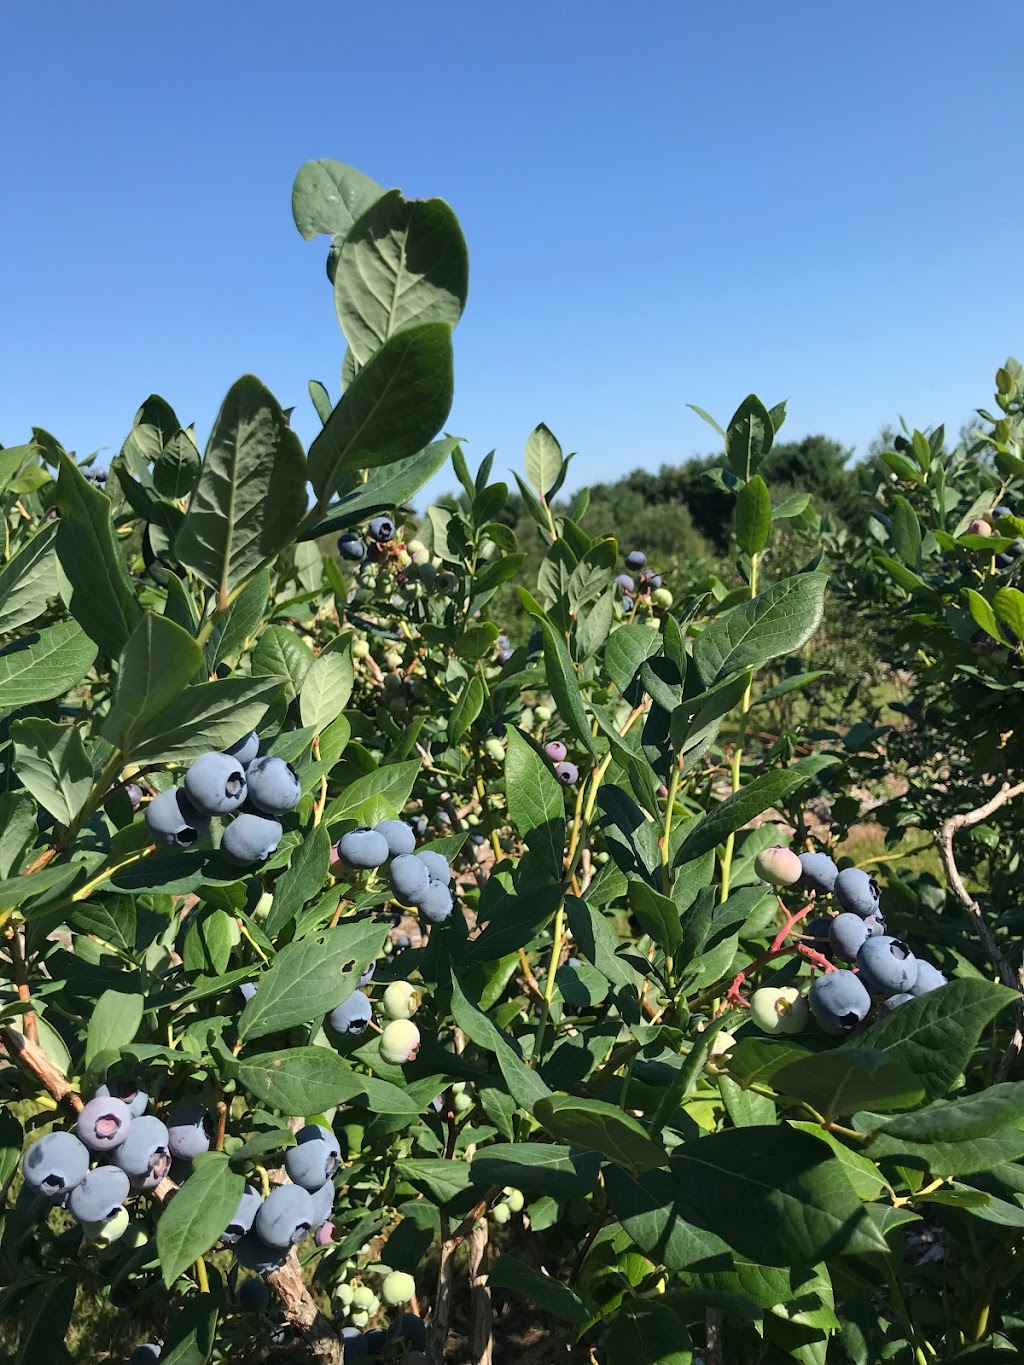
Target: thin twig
column 481, row 1341
column 16, row 947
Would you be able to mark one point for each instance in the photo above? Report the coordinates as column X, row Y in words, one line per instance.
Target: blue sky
column 665, row 203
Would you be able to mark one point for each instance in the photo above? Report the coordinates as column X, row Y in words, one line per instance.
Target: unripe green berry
column 501, row 1213
column 461, row 1102
column 723, row 1044
column 393, row 659
column 516, row 1200
column 108, row 1230
column 399, row 1042
column 401, row 1000
column 361, row 649
column 421, row 556
column 398, row 1288
column 342, row 1297
column 779, row 866
column 415, row 546
column 663, row 597
column 495, row 749
column 363, row 1297
column 542, row 713
column 778, row 1009
column 264, row 905
column 359, row 1318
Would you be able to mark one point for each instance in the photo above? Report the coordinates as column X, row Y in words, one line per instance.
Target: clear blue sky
column 665, row 203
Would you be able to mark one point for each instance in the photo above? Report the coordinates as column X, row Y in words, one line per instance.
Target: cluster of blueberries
column 420, row 881
column 236, row 782
column 400, row 1038
column 981, row 526
column 646, row 585
column 567, row 773
column 353, row 547
column 883, row 969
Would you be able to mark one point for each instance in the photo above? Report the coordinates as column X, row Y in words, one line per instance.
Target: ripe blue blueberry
column 819, row 872
column 409, row 878
column 253, row 1253
column 625, row 583
column 363, row 849
column 246, row 990
column 838, row 1001
column 875, row 925
column 894, row 1001
column 928, row 978
column 567, row 773
column 355, row 1343
column 323, row 1203
column 55, row 1164
column 436, row 906
column 857, row 892
column 284, row 1217
column 173, row 820
column 351, row 547
column 846, row 935
column 381, row 529
column 242, row 1219
column 148, row 1354
column 556, row 751
column 410, row 1329
column 375, row 1339
column 144, row 1155
column 652, row 580
column 250, row 839
column 314, row 1159
column 502, row 657
column 886, row 965
column 400, row 838
column 420, row 825
column 134, row 794
column 437, row 867
column 1002, row 511
column 126, row 1089
column 636, row 559
column 253, row 1296
column 103, row 1123
column 627, row 603
column 352, row 1017
column 245, row 749
column 367, row 975
column 273, row 785
column 100, row 1195
column 215, row 784
column 189, row 1130
column 403, row 941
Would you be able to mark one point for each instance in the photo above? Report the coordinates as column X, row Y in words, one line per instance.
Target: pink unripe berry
column 979, row 528
column 324, row 1236
column 778, row 865
column 555, row 750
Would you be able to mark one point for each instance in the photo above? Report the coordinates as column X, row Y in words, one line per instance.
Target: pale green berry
column 459, row 1087
column 462, row 1102
column 723, row 1044
column 472, row 820
column 398, row 1288
column 342, row 1296
column 361, row 649
column 779, row 866
column 663, row 597
column 399, row 1042
column 109, row 1230
column 263, row 906
column 778, row 1009
column 501, row 1213
column 363, row 1297
column 542, row 713
column 393, row 659
column 421, row 556
column 415, row 547
column 515, row 1199
column 401, row 1000
column 495, row 749
column 234, row 932
column 359, row 1318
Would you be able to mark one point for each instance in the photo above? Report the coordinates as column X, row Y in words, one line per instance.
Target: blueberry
column 403, row 941
column 636, row 559
column 355, row 1343
column 847, row 934
column 366, row 976
column 437, row 867
column 351, row 547
column 314, row 1159
column 323, row 1203
column 253, row 1296
column 189, row 1130
column 625, row 583
column 627, row 604
column 887, row 966
column 100, row 1195
column 567, row 773
column 556, row 750
column 1002, row 511
column 399, row 1042
column 420, row 825
column 778, row 866
column 652, row 580
column 284, row 1217
column 838, row 1001
column 246, row 990
column 126, row 1089
column 245, row 749
column 400, row 838
column 928, row 978
column 410, row 1329
column 242, row 1219
column 148, row 1354
column 254, row 1254
column 173, row 820
column 893, row 1002
column 819, row 872
column 250, row 840
column 103, row 1123
column 502, row 657
column 363, row 849
column 215, row 784
column 857, row 892
column 273, row 785
column 409, row 878
column 381, row 529
column 55, row 1164
column 144, row 1155
column 134, row 794
column 437, row 904
column 352, row 1017
column 875, row 925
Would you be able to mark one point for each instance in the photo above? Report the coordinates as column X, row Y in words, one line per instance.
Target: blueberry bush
column 374, row 975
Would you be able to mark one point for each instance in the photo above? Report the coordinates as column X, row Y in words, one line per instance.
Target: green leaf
column 749, row 437
column 300, row 881
column 627, row 648
column 103, row 596
column 52, row 764
column 13, row 460
column 602, row 1127
column 392, row 784
column 310, row 977
column 953, row 1137
column 45, row 664
column 251, row 492
column 520, row 918
column 394, row 406
column 736, row 810
column 1009, row 608
column 466, row 709
column 865, row 1176
column 113, row 1024
column 753, row 516
column 210, row 716
column 329, row 196
column 525, row 1086
column 775, row 1194
column 543, row 458
column 983, row 615
column 793, row 506
column 328, row 684
column 403, row 263
column 774, row 623
column 441, row 1180
column 385, row 488
column 46, row 1337
column 652, row 1209
column 561, row 679
column 29, row 580
column 508, row 1272
column 280, row 653
column 299, row 1080
column 233, row 628
column 658, row 914
column 536, row 803
column 15, row 891
column 192, row 1223
column 935, row 1035
column 845, row 1079
column 906, row 531
column 537, row 1168
column 176, row 467
column 159, row 661
column 191, row 1331
column 649, row 1332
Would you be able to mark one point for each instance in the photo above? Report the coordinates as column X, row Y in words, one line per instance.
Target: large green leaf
column 29, row 580
column 392, row 784
column 387, row 487
column 328, row 684
column 403, row 262
column 524, row 1085
column 397, row 402
column 543, row 458
column 653, row 1211
column 736, row 810
column 159, row 662
column 176, row 467
column 103, row 596
column 626, row 650
column 251, row 492
column 952, row 1137
column 310, row 977
column 300, row 881
column 299, row 1080
column 508, row 1272
column 602, row 1127
column 537, row 1168
column 536, row 801
column 52, row 764
column 235, row 627
column 280, row 652
column 753, row 516
column 113, row 1023
column 844, row 1079
column 561, row 678
column 773, row 624
column 329, row 196
column 44, row 664
column 647, row 1331
column 193, row 1221
column 749, row 437
column 211, row 715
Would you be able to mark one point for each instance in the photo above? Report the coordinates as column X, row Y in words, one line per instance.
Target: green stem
column 549, row 985
column 899, row 1303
